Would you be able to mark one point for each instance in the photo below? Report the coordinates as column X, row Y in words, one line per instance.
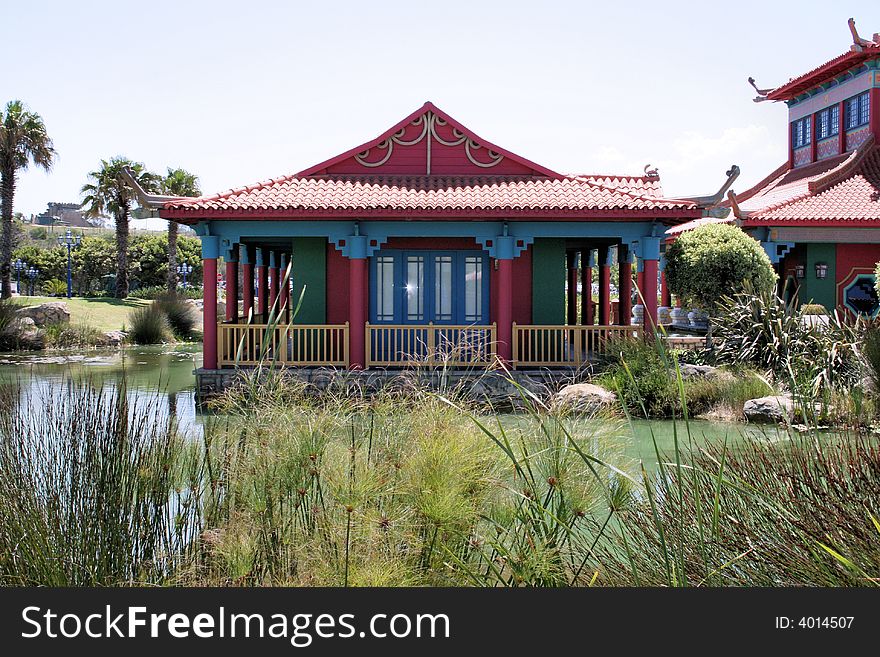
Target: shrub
column 709, row 262
column 871, row 352
column 639, row 375
column 156, row 291
column 64, row 336
column 761, row 330
column 813, row 309
column 180, row 314
column 149, row 325
column 55, row 288
column 8, row 337
column 726, row 392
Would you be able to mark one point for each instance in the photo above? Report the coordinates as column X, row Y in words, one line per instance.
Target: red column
column 841, row 127
column 209, row 313
column 640, row 283
column 650, row 293
column 284, row 291
column 813, row 145
column 665, row 294
column 262, row 290
column 505, row 308
column 586, row 288
column 273, row 286
column 571, row 313
column 357, row 312
column 604, row 287
column 231, row 291
column 874, row 104
column 624, row 287
column 247, row 288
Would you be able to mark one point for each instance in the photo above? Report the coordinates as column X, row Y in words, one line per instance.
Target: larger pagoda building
column 818, row 214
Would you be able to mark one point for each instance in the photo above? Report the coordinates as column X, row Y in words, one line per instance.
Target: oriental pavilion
column 427, row 243
column 818, row 214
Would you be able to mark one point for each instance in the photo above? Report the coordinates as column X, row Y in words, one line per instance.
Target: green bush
column 8, row 338
column 156, row 291
column 871, row 352
column 149, row 325
column 180, row 314
column 726, row 391
column 709, row 262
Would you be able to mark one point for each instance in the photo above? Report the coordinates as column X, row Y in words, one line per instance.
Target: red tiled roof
column 365, row 194
column 829, row 69
column 838, row 191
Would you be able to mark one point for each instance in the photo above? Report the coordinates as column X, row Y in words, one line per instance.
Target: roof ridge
column 842, row 171
column 774, row 175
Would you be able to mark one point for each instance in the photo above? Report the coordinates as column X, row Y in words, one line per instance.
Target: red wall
column 854, row 259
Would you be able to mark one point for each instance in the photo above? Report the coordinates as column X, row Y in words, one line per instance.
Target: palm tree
column 178, row 182
column 23, row 139
column 109, row 193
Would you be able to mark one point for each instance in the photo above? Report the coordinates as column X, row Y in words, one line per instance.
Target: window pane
column 415, row 288
column 473, row 289
column 822, row 125
column 835, row 119
column 385, row 289
column 852, row 112
column 808, row 125
column 864, row 109
column 443, row 288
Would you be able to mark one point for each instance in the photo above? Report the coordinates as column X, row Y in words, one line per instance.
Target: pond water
column 169, row 369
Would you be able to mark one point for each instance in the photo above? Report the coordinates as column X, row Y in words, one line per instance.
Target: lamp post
column 71, row 241
column 19, row 266
column 32, row 274
column 184, row 270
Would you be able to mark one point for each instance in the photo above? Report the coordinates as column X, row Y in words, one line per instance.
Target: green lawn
column 103, row 314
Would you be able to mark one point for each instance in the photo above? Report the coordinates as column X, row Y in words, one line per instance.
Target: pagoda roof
column 839, row 191
column 856, row 55
column 428, row 165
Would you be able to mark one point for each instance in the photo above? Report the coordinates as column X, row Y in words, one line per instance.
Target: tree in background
column 716, row 260
column 109, row 193
column 23, row 139
column 178, row 182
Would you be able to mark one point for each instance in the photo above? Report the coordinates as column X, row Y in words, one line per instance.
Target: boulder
column 500, row 392
column 689, row 371
column 114, row 338
column 54, row 312
column 773, row 408
column 583, row 398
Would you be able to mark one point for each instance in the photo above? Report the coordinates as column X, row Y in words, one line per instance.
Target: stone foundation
column 497, row 387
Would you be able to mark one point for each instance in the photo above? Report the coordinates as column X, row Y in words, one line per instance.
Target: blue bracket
column 776, row 251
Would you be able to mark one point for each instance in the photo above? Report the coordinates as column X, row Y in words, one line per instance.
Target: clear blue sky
column 238, row 92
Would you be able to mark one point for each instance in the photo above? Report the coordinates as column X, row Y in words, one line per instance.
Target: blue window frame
column 858, row 110
column 828, row 122
column 801, row 132
column 418, row 287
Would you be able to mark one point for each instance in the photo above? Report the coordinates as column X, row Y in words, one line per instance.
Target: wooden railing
column 299, row 344
column 554, row 346
column 429, row 344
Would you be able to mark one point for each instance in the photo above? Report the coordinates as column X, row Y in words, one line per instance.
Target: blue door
column 421, row 287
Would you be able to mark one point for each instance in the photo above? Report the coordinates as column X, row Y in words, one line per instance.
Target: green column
column 548, row 281
column 309, row 271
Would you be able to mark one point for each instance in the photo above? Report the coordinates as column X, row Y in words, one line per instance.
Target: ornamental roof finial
column 762, row 93
column 858, row 42
column 651, row 173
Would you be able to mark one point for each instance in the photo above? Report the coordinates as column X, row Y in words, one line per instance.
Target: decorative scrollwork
column 429, row 122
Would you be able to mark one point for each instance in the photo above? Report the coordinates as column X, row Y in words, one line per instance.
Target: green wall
column 548, row 281
column 819, row 290
column 310, row 270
